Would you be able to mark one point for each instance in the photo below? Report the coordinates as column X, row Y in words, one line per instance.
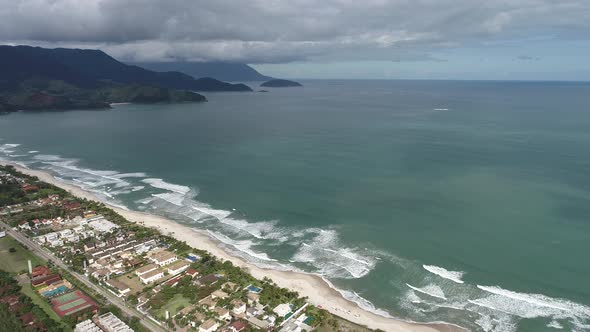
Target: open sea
column 463, row 202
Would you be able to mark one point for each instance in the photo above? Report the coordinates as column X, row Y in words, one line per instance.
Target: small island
column 278, row 83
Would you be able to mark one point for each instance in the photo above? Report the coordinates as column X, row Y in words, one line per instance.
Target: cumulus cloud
column 274, row 31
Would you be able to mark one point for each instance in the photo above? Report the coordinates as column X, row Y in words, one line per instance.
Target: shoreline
column 318, row 290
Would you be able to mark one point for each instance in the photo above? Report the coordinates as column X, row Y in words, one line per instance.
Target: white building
column 145, row 269
column 282, row 309
column 87, row 326
column 209, row 325
column 112, row 323
column 239, row 307
column 177, row 267
column 151, row 276
column 100, row 224
column 121, row 288
column 164, row 257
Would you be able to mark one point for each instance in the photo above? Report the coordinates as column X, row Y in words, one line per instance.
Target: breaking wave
column 431, row 290
column 444, row 273
column 314, row 250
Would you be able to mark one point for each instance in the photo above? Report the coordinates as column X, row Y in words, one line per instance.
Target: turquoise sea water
column 464, row 202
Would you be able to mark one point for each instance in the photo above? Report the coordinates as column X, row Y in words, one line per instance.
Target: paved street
column 39, row 251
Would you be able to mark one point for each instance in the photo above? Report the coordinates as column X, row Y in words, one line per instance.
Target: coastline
column 318, row 291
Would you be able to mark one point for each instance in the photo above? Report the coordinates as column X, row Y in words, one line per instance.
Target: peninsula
column 35, row 78
column 280, row 83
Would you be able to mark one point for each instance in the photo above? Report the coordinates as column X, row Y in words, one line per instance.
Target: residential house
column 229, row 286
column 164, row 257
column 237, row 326
column 223, row 314
column 208, row 302
column 151, row 276
column 209, row 325
column 253, row 298
column 192, row 272
column 239, row 307
column 119, row 286
column 282, row 309
column 145, row 269
column 177, row 267
column 219, row 294
column 209, row 279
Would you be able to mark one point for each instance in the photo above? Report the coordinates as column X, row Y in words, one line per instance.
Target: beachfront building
column 177, row 267
column 164, row 257
column 282, row 309
column 151, row 276
column 100, row 224
column 209, row 325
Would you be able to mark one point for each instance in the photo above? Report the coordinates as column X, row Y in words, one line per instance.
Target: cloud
column 275, row 31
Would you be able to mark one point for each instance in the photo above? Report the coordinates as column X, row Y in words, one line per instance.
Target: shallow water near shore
column 464, row 202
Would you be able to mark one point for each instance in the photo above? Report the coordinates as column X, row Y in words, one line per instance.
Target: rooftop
column 146, row 268
column 208, row 324
column 118, row 285
column 163, row 256
column 151, row 274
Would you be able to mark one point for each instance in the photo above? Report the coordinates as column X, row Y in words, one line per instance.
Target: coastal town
column 73, row 264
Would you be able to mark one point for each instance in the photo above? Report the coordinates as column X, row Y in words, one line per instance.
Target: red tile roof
column 40, row 271
column 239, row 325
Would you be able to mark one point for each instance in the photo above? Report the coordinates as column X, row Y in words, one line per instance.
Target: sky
column 365, row 39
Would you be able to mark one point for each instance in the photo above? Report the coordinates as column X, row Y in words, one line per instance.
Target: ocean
column 455, row 201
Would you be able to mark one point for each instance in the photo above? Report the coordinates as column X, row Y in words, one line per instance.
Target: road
column 39, row 251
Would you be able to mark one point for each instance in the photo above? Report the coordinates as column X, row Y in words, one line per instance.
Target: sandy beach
column 317, row 290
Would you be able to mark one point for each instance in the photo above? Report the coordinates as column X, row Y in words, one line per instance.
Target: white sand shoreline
column 317, row 290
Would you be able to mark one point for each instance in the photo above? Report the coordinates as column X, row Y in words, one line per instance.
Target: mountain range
column 225, row 71
column 92, row 68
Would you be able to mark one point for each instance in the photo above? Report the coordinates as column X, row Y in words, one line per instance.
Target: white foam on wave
column 331, row 259
column 93, row 178
column 161, row 184
column 262, row 230
column 490, row 323
column 243, row 246
column 207, row 210
column 359, row 300
column 526, row 305
column 431, row 290
column 555, row 324
column 172, row 198
column 8, row 148
column 33, row 151
column 454, row 276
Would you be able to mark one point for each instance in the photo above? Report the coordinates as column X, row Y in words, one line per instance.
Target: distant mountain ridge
column 225, row 71
column 279, row 83
column 92, row 68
